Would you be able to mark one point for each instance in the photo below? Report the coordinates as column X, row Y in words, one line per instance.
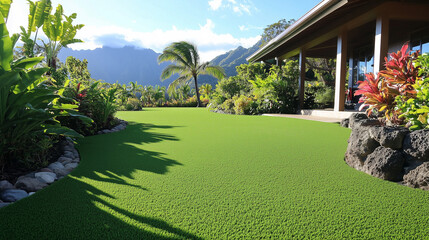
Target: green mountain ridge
column 130, row 64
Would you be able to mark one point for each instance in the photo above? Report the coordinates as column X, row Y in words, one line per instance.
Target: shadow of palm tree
column 75, row 209
column 123, row 154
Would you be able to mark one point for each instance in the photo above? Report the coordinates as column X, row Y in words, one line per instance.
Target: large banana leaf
column 26, row 63
column 53, row 26
column 39, row 11
column 6, row 46
column 43, row 10
column 5, row 7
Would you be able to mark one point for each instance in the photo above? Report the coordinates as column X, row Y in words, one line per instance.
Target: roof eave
column 297, row 27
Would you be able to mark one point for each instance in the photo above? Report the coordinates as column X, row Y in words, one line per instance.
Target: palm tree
column 186, row 62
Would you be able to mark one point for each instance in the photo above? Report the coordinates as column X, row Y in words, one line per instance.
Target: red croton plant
column 378, row 93
column 79, row 95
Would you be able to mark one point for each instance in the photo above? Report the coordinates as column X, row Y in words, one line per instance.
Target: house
column 357, row 33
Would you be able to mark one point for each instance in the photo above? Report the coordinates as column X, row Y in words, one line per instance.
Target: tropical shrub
column 415, row 110
column 378, row 93
column 242, row 105
column 258, row 90
column 29, row 109
column 133, row 104
column 227, row 106
column 233, row 86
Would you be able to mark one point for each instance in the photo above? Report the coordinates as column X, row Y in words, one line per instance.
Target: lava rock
column 357, row 120
column 361, row 144
column 419, row 177
column 385, row 163
column 345, row 123
column 30, row 184
column 416, row 145
column 13, row 195
column 5, row 185
column 390, row 137
column 46, row 177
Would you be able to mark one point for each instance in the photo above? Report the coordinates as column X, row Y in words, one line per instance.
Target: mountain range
column 130, row 64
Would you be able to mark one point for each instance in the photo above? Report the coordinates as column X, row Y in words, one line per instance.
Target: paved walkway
column 307, row 117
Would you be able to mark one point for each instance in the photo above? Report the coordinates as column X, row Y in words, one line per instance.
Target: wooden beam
column 341, row 70
column 302, row 60
column 381, row 44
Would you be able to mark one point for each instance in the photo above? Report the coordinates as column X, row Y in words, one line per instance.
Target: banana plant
column 4, row 8
column 39, row 12
column 60, row 33
column 27, row 106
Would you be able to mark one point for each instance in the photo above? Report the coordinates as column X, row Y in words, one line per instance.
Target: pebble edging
column 30, row 183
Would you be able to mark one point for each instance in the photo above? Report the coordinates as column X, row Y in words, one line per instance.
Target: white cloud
column 210, row 44
column 215, row 4
column 18, row 16
column 243, row 6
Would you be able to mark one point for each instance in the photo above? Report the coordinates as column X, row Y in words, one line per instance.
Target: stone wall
column 389, row 153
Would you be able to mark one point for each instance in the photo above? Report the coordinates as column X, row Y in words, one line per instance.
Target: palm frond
column 172, row 69
column 169, row 55
column 179, row 81
column 185, row 50
column 215, row 71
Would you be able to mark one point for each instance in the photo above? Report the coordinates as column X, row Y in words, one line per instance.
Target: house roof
column 322, row 24
column 301, row 24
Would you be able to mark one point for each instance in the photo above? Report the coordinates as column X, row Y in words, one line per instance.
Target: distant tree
column 184, row 91
column 206, row 90
column 271, row 31
column 78, row 69
column 323, row 68
column 186, row 62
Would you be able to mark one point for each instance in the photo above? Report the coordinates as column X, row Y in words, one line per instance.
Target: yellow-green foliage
column 242, row 105
column 133, row 104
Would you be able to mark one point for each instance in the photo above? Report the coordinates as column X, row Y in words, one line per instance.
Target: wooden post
column 381, row 42
column 302, row 58
column 341, row 69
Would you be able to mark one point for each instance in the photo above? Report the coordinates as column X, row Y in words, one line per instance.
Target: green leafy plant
column 242, row 105
column 133, row 104
column 379, row 93
column 27, row 106
column 60, row 33
column 415, row 110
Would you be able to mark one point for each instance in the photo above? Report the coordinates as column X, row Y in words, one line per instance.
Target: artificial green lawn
column 191, row 174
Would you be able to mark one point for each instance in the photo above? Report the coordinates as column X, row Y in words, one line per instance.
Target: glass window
column 425, row 48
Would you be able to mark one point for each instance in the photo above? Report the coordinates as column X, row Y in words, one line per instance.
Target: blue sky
column 215, row 26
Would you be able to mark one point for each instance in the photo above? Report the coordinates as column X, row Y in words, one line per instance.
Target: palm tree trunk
column 197, row 91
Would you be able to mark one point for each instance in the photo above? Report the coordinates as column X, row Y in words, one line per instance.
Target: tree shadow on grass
column 114, row 157
column 75, row 209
